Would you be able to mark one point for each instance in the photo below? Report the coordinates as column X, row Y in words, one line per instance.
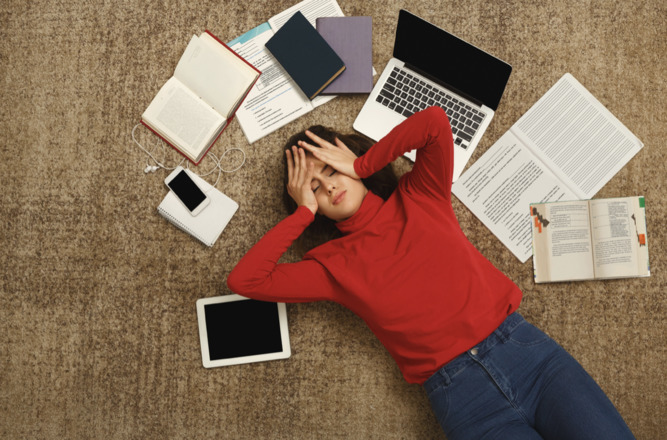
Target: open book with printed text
column 589, row 239
column 565, row 147
column 197, row 103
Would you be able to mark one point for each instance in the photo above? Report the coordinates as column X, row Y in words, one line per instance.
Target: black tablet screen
column 242, row 328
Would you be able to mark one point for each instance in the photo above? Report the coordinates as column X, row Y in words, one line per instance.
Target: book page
column 576, row 137
column 275, row 100
column 182, row 118
column 214, row 74
column 619, row 237
column 562, row 241
column 311, row 9
column 500, row 187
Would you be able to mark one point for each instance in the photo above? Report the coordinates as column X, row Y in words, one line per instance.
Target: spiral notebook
column 208, row 224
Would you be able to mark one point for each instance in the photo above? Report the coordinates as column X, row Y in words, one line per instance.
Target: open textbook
column 197, row 103
column 276, row 100
column 565, row 147
column 589, row 239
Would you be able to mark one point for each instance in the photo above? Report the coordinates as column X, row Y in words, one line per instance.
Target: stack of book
column 332, row 59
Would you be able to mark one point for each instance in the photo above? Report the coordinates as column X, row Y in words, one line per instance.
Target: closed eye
column 333, row 171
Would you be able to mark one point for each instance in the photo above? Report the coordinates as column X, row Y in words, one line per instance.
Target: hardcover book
column 197, row 103
column 351, row 38
column 305, row 55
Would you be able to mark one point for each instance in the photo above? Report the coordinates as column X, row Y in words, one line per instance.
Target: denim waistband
column 459, row 363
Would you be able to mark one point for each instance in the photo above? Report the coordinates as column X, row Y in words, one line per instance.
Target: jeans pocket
column 526, row 335
column 439, row 399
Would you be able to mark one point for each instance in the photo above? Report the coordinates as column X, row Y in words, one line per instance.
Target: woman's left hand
column 338, row 156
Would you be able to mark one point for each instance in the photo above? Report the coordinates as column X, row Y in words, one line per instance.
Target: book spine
column 241, row 101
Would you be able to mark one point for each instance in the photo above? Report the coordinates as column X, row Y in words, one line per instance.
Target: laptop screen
column 451, row 61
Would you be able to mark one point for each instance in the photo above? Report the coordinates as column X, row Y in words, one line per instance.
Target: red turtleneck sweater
column 404, row 266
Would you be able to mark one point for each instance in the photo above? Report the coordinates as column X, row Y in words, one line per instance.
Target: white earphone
column 153, row 168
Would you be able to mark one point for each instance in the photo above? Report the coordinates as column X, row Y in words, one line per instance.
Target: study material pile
column 305, row 55
column 208, row 224
column 197, row 103
column 276, row 99
column 589, row 239
column 565, row 147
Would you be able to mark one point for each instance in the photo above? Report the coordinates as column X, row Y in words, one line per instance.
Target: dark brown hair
column 382, row 183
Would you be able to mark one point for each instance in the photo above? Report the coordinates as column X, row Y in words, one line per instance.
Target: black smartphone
column 187, row 191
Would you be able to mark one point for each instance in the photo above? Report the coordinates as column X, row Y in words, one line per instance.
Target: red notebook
column 199, row 101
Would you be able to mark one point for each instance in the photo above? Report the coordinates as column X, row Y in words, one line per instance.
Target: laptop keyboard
column 406, row 94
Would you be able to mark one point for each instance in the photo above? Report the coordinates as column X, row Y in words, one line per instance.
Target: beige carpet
column 98, row 333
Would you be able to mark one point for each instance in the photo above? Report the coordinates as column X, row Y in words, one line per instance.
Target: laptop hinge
column 444, row 84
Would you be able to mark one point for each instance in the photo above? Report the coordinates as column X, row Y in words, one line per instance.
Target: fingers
column 341, row 145
column 322, row 143
column 315, row 151
column 299, row 171
column 310, row 172
column 290, row 165
column 318, row 140
column 302, row 167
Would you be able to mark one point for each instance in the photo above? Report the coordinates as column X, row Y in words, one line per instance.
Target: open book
column 196, row 104
column 589, row 239
column 565, row 147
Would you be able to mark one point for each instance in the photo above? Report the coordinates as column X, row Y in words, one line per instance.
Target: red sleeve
column 427, row 131
column 259, row 276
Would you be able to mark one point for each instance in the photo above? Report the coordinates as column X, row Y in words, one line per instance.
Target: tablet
column 238, row 330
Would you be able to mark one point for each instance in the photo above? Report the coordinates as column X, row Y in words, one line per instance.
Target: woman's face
column 338, row 195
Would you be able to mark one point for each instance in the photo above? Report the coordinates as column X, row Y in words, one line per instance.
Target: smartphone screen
column 187, row 190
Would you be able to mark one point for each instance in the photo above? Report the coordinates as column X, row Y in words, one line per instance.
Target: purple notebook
column 351, row 39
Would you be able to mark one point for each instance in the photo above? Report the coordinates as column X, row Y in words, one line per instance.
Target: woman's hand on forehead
column 299, row 176
column 336, row 156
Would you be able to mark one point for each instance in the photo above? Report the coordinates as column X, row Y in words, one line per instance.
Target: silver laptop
column 433, row 67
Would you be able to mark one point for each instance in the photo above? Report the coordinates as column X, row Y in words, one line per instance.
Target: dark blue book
column 305, row 55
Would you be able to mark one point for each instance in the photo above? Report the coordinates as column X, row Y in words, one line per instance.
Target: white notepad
column 208, row 224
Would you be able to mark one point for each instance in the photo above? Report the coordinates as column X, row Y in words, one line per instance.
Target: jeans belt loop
column 446, row 379
column 502, row 335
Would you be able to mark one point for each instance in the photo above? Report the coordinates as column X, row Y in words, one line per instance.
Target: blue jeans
column 520, row 384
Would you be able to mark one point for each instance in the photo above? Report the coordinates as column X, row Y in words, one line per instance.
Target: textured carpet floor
column 98, row 333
